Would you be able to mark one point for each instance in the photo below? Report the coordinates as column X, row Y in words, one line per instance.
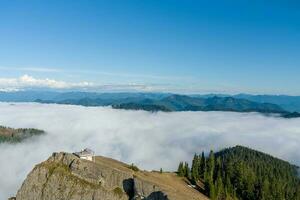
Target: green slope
column 246, row 174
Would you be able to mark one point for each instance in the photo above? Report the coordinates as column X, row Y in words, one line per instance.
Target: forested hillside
column 177, row 103
column 289, row 103
column 17, row 135
column 172, row 103
column 244, row 174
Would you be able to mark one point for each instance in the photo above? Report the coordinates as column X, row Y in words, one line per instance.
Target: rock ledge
column 64, row 176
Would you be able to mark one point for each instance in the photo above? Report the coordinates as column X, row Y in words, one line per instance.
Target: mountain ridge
column 65, row 176
column 161, row 101
column 235, row 173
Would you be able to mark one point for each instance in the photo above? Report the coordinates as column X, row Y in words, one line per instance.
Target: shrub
column 133, row 167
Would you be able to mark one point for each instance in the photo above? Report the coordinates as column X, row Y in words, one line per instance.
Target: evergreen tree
column 202, row 165
column 187, row 171
column 265, row 190
column 241, row 173
column 212, row 190
column 195, row 168
column 211, row 164
column 206, row 181
column 180, row 170
column 220, row 193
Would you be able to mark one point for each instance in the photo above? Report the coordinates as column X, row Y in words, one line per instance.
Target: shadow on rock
column 128, row 187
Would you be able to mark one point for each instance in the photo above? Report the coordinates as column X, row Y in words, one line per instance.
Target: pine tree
column 184, row 169
column 187, row 171
column 202, row 165
column 228, row 185
column 206, row 181
column 265, row 190
column 212, row 190
column 195, row 168
column 180, row 170
column 211, row 164
column 220, row 194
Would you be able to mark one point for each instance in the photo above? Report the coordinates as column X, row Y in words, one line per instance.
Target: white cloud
column 27, row 81
column 151, row 140
column 51, row 83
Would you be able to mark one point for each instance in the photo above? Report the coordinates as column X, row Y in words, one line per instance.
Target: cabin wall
column 90, row 158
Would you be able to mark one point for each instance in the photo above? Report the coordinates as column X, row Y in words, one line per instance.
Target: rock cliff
column 64, row 176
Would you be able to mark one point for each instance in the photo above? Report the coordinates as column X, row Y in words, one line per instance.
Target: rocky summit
column 64, row 176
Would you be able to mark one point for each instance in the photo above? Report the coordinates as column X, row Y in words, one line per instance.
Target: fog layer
column 150, row 140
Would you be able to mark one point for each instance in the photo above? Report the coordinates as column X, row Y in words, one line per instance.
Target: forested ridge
column 285, row 106
column 12, row 135
column 243, row 174
column 175, row 103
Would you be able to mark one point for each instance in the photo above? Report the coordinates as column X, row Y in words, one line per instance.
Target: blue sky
column 179, row 46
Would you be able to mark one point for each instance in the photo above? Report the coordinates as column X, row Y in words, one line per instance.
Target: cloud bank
column 26, row 81
column 29, row 82
column 150, row 140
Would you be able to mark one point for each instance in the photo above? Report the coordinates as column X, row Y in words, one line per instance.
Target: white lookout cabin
column 86, row 154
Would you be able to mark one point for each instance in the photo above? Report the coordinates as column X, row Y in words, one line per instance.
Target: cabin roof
column 85, row 152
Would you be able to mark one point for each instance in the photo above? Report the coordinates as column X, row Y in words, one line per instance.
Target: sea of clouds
column 150, row 140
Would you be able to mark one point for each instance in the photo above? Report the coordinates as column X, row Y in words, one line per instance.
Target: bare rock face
column 143, row 188
column 64, row 176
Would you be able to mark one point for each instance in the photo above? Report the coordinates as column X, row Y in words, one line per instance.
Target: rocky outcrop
column 64, row 176
column 144, row 188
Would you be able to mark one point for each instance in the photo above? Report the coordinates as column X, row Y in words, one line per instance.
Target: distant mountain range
column 187, row 103
column 285, row 106
column 289, row 103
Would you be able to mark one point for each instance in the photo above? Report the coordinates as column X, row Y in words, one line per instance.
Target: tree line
column 12, row 135
column 240, row 173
